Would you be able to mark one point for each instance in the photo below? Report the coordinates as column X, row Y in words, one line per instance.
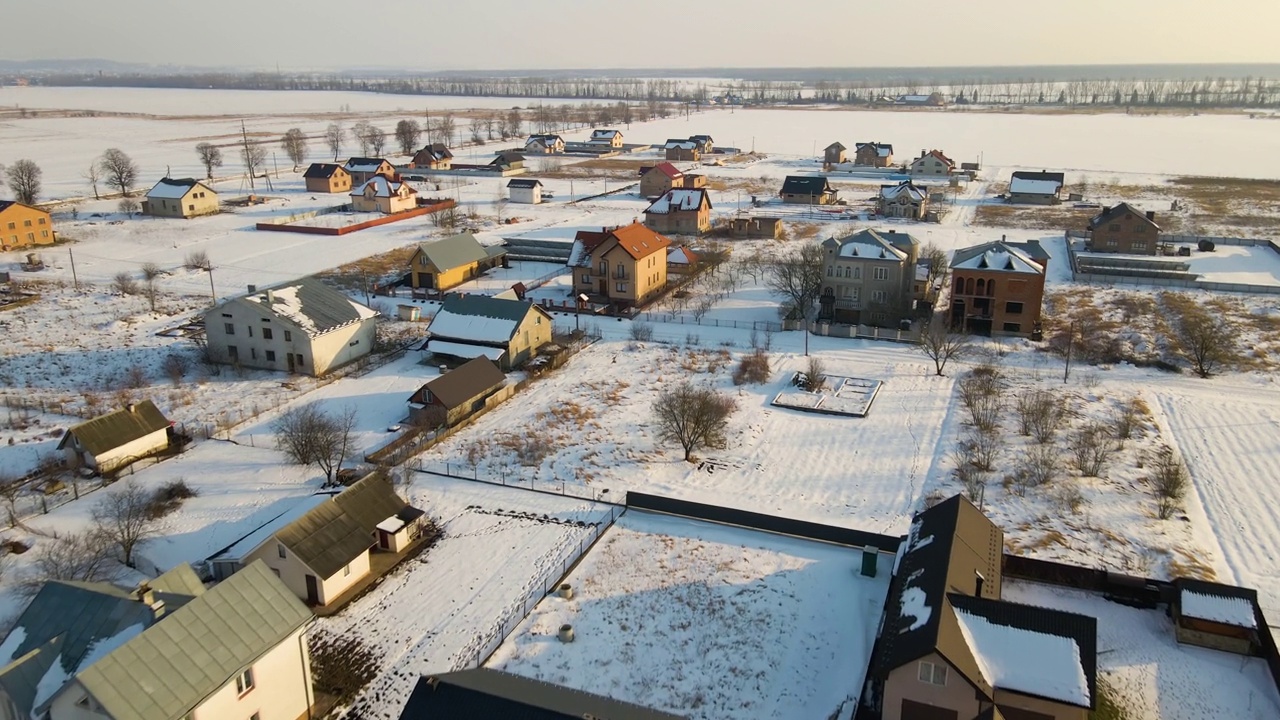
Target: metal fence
column 672, row 318
column 475, row 653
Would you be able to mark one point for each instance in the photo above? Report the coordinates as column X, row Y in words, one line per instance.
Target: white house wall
column 320, row 354
column 293, row 573
column 145, row 445
column 282, row 687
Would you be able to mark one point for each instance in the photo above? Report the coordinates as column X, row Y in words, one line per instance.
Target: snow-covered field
column 708, row 621
column 446, row 609
column 1150, row 674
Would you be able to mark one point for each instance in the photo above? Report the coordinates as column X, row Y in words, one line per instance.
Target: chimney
column 146, row 595
column 253, row 289
column 1003, row 238
column 923, row 153
column 891, row 231
column 1151, row 215
column 131, row 408
column 271, row 297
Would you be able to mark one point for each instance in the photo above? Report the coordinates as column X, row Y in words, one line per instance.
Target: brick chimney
column 1151, row 215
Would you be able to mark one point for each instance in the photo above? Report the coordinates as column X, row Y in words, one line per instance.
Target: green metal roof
column 334, row 533
column 174, row 665
column 454, row 252
column 114, row 429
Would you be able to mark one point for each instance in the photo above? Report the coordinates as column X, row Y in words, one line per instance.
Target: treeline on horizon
column 1212, row 92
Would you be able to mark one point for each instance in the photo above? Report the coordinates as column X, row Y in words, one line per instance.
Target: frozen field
column 1153, row 676
column 708, row 621
column 440, row 612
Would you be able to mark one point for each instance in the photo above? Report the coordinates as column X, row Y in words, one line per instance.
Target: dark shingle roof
column 507, row 158
column 1027, row 175
column 1081, row 629
column 322, row 170
column 523, row 183
column 485, row 693
column 484, row 306
column 4, row 204
column 1118, row 211
column 464, row 382
column 336, row 532
column 312, row 305
column 117, row 428
column 805, row 185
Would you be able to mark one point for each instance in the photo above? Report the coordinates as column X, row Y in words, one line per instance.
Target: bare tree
column 937, row 261
column 128, row 206
column 1205, row 341
column 360, row 131
column 1091, row 448
column 308, row 435
column 515, row 122
column 294, row 144
column 210, row 156
column 151, row 273
column 407, row 134
column 1041, row 414
column 93, row 175
column 199, row 260
column 813, row 374
column 124, row 516
column 253, row 157
column 10, row 491
column 334, row 136
column 124, row 284
column 120, row 171
column 176, row 365
column 798, row 278
column 941, row 345
column 24, row 179
column 444, row 129
column 377, row 140
column 693, row 417
column 83, row 556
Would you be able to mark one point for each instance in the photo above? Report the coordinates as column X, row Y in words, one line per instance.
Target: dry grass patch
column 1033, row 217
column 374, row 268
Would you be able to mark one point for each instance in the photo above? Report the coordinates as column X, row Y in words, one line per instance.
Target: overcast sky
column 513, row 34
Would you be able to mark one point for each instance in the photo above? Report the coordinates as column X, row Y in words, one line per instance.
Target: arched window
column 846, row 271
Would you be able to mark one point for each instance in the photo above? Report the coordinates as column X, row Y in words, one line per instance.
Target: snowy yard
column 1149, row 673
column 708, row 621
column 440, row 612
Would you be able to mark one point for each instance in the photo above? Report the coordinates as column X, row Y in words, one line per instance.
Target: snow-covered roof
column 475, row 318
column 1026, row 661
column 464, row 350
column 1034, row 187
column 996, row 256
column 1218, row 608
column 679, row 200
column 362, row 164
column 891, row 192
column 171, row 189
column 315, row 308
column 681, row 256
column 871, row 245
column 680, row 145
column 250, row 542
column 392, row 524
column 382, row 187
column 604, row 134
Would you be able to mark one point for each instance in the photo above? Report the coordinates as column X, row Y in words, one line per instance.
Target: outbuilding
column 525, row 190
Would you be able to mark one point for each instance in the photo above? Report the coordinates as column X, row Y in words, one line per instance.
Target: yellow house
column 625, row 266
column 612, row 138
column 379, row 194
column 447, row 263
column 24, row 226
column 508, row 332
column 181, row 198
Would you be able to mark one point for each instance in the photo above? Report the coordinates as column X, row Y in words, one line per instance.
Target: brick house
column 997, row 288
column 327, row 178
column 904, row 200
column 808, row 190
column 873, row 154
column 660, row 178
column 834, row 154
column 683, row 150
column 1124, row 229
column 625, row 266
column 683, row 211
column 932, row 163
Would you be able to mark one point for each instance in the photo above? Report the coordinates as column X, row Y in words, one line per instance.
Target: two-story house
column 931, row 163
column 904, row 200
column 302, row 326
column 180, row 198
column 681, row 211
column 435, row 156
column 660, row 178
column 683, row 150
column 609, row 138
column 873, row 154
column 834, row 154
column 170, row 649
column 706, row 144
column 363, row 169
column 997, row 288
column 23, row 226
column 625, row 266
column 1124, row 229
column 868, row 278
column 383, row 195
column 808, row 190
column 544, row 145
column 327, row 178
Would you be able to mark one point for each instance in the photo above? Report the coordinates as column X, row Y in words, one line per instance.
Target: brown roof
column 639, row 241
column 114, row 429
column 938, row 154
column 452, row 389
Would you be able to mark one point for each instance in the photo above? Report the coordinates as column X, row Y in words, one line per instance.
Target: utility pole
column 1071, row 340
column 74, row 280
column 212, row 292
column 244, row 134
column 274, row 165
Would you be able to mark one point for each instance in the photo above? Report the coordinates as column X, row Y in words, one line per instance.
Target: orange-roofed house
column 625, row 266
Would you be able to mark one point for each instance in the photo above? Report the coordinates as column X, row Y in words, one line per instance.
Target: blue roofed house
column 167, row 650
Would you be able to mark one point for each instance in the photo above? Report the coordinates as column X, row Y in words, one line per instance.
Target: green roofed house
column 168, row 650
column 485, row 693
column 508, row 332
column 447, row 263
column 118, row 439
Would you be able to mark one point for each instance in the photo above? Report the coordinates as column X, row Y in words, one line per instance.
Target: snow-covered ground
column 708, row 621
column 501, row 549
column 1149, row 673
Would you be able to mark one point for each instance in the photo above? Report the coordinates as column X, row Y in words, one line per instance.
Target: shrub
column 1170, row 478
column 1067, row 499
column 124, row 284
column 1038, row 467
column 169, row 497
column 981, row 393
column 753, row 369
column 813, row 376
column 1092, row 449
column 1041, row 414
column 641, row 332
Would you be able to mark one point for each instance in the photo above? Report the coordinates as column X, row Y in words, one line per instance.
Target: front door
column 313, row 591
column 290, row 356
column 604, row 288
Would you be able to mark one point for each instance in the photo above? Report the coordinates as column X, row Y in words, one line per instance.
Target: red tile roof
column 639, row 241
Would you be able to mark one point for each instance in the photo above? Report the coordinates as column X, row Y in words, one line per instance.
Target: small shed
column 457, row 394
column 1217, row 616
column 118, row 439
column 525, row 190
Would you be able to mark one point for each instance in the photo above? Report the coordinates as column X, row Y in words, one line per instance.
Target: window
column 857, row 272
column 13, row 226
column 932, row 673
column 880, row 273
column 1013, row 308
column 244, row 682
column 604, row 267
column 288, row 336
column 250, row 330
column 879, row 296
column 847, row 271
column 191, row 208
column 226, row 315
column 829, row 273
column 44, row 233
column 233, row 352
column 41, row 221
column 346, row 570
column 271, row 356
column 1114, row 227
column 280, row 550
column 1012, row 327
column 1112, row 242
column 301, row 360
column 586, row 277
column 622, row 287
column 266, row 334
column 26, row 223
column 253, row 353
column 1139, row 245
